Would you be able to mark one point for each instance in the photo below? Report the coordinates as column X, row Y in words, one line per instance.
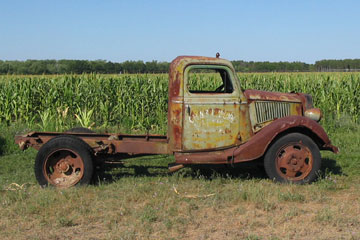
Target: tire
column 64, row 161
column 293, row 158
column 79, row 130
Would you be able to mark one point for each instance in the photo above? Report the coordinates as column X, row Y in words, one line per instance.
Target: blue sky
column 161, row 30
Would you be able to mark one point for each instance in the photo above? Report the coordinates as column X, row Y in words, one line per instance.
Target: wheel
column 79, row 130
column 293, row 158
column 63, row 162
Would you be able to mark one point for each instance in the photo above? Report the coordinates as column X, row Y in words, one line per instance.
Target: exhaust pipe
column 173, row 167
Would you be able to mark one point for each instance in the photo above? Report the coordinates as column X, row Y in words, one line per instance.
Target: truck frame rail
column 108, row 143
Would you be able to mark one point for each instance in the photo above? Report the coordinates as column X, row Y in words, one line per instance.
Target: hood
column 266, row 107
column 252, row 95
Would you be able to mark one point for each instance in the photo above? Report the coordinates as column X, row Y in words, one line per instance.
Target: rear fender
column 259, row 143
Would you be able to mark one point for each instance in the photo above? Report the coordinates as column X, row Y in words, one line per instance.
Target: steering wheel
column 219, row 88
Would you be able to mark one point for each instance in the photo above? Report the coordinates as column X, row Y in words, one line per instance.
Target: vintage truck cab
column 220, row 124
column 229, row 125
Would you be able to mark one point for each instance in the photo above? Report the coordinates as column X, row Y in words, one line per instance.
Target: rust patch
column 175, row 86
column 245, row 129
column 177, row 132
column 215, row 157
column 175, row 116
column 271, row 96
column 192, row 115
column 177, row 112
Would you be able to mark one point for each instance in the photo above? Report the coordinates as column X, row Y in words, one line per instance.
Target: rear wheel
column 63, row 162
column 293, row 158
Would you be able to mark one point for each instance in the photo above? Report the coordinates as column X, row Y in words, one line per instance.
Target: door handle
column 188, row 109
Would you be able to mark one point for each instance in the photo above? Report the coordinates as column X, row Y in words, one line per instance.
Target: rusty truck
column 224, row 125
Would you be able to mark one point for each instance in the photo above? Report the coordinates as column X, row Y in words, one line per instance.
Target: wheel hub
column 63, row 166
column 294, row 161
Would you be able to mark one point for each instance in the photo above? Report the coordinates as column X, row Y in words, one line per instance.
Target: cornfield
column 139, row 102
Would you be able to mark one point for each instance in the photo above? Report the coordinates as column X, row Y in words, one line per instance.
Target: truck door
column 211, row 118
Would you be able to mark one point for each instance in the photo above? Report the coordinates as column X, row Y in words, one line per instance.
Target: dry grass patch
column 135, row 208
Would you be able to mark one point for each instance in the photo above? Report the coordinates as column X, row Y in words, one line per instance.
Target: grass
column 136, row 199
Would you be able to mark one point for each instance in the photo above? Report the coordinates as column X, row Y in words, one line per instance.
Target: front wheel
column 293, row 158
column 63, row 162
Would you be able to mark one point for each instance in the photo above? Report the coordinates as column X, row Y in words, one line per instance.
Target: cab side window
column 209, row 80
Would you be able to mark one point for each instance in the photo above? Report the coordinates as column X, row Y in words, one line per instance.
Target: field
column 138, row 199
column 139, row 102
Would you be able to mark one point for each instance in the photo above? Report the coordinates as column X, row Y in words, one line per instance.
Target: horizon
column 174, row 58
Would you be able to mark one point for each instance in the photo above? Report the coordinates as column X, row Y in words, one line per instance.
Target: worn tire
column 293, row 158
column 64, row 161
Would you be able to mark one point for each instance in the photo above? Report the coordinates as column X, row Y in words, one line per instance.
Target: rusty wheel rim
column 63, row 168
column 294, row 161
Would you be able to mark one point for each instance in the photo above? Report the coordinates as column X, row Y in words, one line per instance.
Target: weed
column 64, row 221
column 324, row 215
column 266, row 205
column 329, row 182
column 253, row 237
column 291, row 197
column 149, row 215
column 168, row 224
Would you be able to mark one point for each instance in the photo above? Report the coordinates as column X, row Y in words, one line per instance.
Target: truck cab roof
column 179, row 64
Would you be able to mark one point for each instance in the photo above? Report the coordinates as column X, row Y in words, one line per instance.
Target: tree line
column 102, row 66
column 345, row 65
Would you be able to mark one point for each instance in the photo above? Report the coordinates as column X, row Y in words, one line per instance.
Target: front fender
column 258, row 144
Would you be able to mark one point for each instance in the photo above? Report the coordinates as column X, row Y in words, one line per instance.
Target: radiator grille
column 266, row 111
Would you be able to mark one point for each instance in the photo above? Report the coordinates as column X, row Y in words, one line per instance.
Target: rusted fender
column 258, row 144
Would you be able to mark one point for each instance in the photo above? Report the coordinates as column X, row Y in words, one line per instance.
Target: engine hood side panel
column 252, row 95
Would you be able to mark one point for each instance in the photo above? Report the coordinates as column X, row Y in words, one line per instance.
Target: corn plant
column 84, row 117
column 139, row 102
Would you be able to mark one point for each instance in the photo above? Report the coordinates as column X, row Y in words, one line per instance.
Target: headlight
column 314, row 114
